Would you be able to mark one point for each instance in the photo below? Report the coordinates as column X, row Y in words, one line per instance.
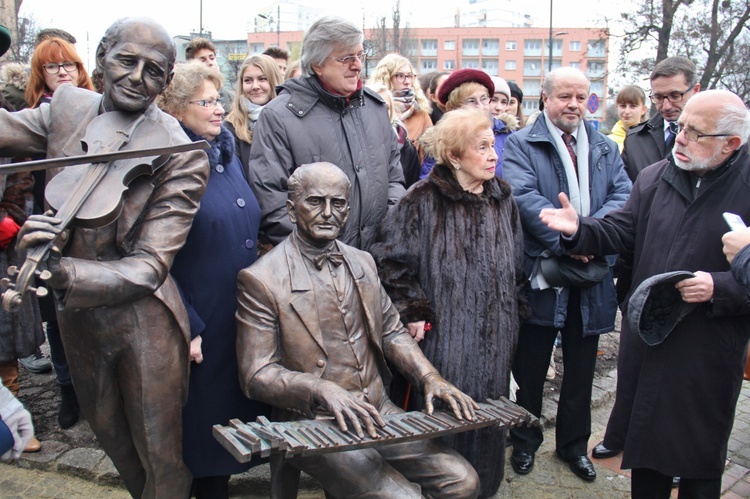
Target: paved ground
column 60, row 471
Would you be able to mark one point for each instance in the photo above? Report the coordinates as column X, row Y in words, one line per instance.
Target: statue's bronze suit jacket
column 279, row 341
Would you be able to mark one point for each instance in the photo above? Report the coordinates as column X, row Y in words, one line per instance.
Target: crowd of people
column 409, row 227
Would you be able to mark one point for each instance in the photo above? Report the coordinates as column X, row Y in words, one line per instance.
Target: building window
column 449, row 45
column 597, row 87
column 510, row 45
column 510, row 65
column 597, row 48
column 256, row 48
column 427, row 65
column 575, row 65
column 595, row 69
column 556, row 47
column 529, row 106
column 470, row 47
column 575, row 46
column 490, row 47
column 532, row 67
column 532, row 87
column 449, row 64
column 429, row 48
column 532, row 47
column 489, row 66
column 470, row 63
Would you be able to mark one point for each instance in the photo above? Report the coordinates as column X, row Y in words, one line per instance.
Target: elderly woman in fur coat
column 450, row 254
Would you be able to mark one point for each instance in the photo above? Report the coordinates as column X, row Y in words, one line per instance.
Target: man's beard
column 566, row 126
column 696, row 165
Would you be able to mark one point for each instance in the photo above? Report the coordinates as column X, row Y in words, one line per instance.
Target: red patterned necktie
column 569, row 141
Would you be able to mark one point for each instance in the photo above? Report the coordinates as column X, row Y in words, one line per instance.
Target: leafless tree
column 712, row 33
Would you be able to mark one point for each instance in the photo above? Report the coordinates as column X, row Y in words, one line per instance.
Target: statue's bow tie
column 334, row 257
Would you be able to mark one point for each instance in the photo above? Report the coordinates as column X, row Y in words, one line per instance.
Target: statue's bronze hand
column 345, row 407
column 435, row 386
column 38, row 229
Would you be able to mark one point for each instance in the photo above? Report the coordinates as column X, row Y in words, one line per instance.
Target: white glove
column 22, row 428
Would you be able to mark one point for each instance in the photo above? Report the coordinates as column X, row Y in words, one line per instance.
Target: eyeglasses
column 349, row 60
column 208, row 103
column 694, row 136
column 472, row 102
column 401, row 77
column 54, row 67
column 673, row 97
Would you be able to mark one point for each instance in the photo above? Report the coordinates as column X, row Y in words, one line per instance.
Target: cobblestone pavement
column 59, row 471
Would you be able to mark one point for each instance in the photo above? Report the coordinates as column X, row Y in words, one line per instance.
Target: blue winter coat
column 533, row 168
column 222, row 241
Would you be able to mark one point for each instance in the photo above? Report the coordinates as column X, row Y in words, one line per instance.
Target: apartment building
column 519, row 54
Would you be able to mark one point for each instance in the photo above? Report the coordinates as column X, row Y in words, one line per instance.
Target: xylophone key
column 396, row 425
column 347, row 437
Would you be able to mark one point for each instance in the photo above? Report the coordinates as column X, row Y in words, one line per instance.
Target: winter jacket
column 306, row 124
column 741, row 266
column 16, row 78
column 534, row 169
column 644, row 146
column 618, row 135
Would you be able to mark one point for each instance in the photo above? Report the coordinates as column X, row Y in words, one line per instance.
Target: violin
column 123, row 147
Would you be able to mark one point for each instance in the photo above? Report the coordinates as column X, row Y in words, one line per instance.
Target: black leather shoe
column 582, row 467
column 601, row 452
column 522, row 461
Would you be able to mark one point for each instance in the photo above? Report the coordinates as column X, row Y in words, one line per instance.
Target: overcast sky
column 227, row 19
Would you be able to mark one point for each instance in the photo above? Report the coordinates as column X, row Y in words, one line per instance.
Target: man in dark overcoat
column 679, row 396
column 122, row 320
column 315, row 328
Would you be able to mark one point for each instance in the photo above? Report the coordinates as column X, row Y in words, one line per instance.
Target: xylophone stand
column 284, row 477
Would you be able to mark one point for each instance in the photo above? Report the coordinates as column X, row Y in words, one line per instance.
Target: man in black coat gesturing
column 677, row 398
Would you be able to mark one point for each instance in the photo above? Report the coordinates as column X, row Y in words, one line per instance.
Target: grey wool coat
column 306, row 124
column 456, row 259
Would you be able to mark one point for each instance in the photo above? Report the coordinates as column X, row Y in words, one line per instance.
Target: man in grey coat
column 327, row 115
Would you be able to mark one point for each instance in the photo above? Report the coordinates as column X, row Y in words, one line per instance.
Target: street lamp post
column 270, row 19
column 552, row 38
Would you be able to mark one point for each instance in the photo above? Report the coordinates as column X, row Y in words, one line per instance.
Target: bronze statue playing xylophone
column 310, row 437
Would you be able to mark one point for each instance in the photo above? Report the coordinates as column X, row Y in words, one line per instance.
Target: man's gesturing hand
column 563, row 219
column 346, row 407
column 435, row 386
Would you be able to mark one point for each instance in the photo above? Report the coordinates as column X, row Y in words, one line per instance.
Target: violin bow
column 45, row 164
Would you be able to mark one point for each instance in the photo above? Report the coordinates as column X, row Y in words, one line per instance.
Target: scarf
column 578, row 185
column 405, row 103
column 222, row 147
column 253, row 113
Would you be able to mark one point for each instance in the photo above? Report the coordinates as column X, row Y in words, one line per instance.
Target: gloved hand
column 22, row 428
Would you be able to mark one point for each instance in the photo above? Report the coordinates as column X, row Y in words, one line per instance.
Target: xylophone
column 310, row 437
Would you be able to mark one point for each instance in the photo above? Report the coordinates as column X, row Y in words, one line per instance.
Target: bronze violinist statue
column 123, row 324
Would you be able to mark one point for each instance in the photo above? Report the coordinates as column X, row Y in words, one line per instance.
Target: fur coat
column 455, row 259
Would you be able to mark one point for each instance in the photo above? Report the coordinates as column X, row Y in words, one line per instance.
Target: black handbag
column 564, row 271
